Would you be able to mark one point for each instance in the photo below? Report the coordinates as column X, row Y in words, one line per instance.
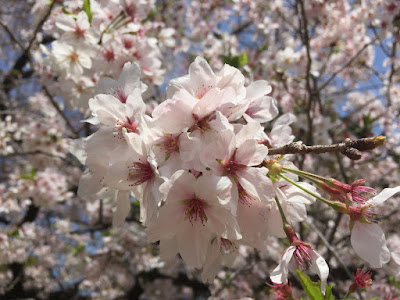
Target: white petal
column 285, row 119
column 65, row 22
column 168, row 249
column 320, row 267
column 85, row 60
column 122, row 209
column 384, row 195
column 108, row 109
column 257, row 89
column 250, row 153
column 368, row 241
column 173, row 115
column 280, row 273
column 193, row 240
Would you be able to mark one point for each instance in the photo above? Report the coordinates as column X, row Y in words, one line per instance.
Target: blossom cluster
column 332, row 64
column 200, row 169
column 90, row 46
column 195, row 165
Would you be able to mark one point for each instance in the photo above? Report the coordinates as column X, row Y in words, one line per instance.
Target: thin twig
column 351, row 148
column 333, row 76
column 54, row 103
column 392, row 71
column 12, row 37
column 330, row 248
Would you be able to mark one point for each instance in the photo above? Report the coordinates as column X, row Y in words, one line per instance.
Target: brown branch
column 351, row 148
column 392, row 71
column 54, row 103
column 25, row 57
column 11, row 35
column 311, row 92
column 40, row 152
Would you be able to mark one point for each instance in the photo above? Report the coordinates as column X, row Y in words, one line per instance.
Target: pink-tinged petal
column 251, row 153
column 369, row 243
column 193, row 240
column 258, row 89
column 232, row 110
column 285, row 120
column 148, row 204
column 223, row 223
column 173, row 116
column 82, row 20
column 85, row 61
column 320, row 267
column 200, row 70
column 215, row 190
column 262, row 109
column 220, row 149
column 213, row 262
column 168, row 249
column 122, row 209
column 169, row 219
column 274, row 221
column 253, row 225
column 220, row 123
column 281, row 135
column 75, row 69
column 256, row 177
column 182, row 188
column 190, row 147
column 384, row 195
column 134, row 103
column 209, row 103
column 130, row 73
column 280, row 273
column 65, row 22
column 248, row 131
column 90, row 186
column 201, row 78
column 108, row 109
column 231, row 77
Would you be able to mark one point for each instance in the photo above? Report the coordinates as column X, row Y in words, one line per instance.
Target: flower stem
column 284, row 221
column 326, row 201
column 306, row 175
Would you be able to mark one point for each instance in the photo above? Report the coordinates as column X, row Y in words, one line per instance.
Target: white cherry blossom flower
column 194, row 212
column 367, row 238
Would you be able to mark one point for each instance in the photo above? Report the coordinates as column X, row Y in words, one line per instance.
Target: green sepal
column 87, row 10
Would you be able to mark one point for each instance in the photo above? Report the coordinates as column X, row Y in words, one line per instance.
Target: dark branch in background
column 392, row 71
column 312, row 93
column 12, row 37
column 351, row 148
column 36, row 152
column 333, row 76
column 25, row 56
column 54, row 103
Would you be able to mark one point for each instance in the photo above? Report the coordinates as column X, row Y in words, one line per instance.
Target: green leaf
column 67, row 12
column 243, row 59
column 87, row 10
column 31, row 261
column 78, row 249
column 29, row 176
column 328, row 293
column 236, row 61
column 149, row 16
column 313, row 289
column 14, row 233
